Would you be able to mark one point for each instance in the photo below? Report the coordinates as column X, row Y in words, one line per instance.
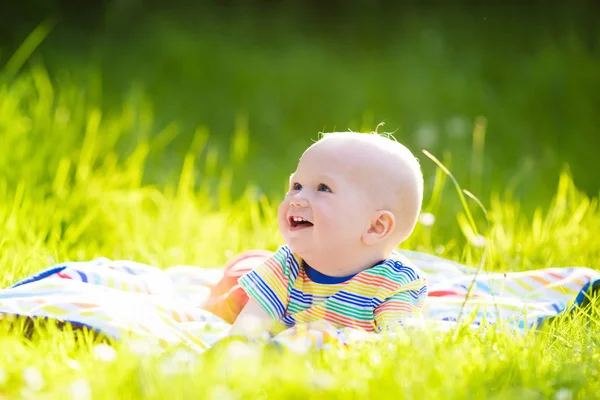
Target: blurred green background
column 285, row 71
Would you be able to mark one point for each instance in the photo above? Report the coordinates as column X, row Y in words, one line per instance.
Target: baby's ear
column 381, row 227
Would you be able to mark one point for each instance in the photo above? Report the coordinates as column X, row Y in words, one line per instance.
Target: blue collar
column 319, row 277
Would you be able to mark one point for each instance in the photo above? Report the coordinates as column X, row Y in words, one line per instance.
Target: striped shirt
column 380, row 297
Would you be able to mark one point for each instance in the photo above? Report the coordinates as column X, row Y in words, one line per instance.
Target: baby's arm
column 268, row 288
column 402, row 308
column 252, row 322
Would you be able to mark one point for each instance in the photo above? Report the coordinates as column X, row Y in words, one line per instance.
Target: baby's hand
column 253, row 322
column 309, row 336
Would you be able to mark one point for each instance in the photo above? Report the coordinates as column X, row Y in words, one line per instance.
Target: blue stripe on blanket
column 590, row 288
column 39, row 276
column 82, row 275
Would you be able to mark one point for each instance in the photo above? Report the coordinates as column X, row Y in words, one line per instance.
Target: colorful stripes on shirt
column 372, row 300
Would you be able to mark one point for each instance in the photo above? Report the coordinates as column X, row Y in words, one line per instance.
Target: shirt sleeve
column 404, row 304
column 270, row 283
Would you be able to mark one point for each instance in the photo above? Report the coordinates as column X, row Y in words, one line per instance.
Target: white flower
column 142, row 347
column 185, row 357
column 104, row 352
column 181, row 361
column 324, row 380
column 72, row 364
column 80, row 389
column 427, row 219
column 478, row 241
column 457, row 128
column 427, row 136
column 563, row 394
column 33, row 378
column 375, row 359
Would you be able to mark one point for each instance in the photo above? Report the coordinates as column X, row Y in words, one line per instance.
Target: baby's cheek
column 347, row 217
column 282, row 218
column 341, row 226
column 282, row 210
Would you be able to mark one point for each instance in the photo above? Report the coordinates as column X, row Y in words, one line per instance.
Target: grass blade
column 32, row 42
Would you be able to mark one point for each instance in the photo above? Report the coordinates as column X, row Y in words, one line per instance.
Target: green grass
column 74, row 185
column 285, row 74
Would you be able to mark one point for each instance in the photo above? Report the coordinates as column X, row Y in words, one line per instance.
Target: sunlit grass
column 68, row 193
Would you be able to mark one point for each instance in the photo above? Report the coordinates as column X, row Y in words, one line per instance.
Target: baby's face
column 328, row 205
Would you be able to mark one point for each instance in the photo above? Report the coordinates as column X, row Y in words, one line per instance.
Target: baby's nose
column 298, row 202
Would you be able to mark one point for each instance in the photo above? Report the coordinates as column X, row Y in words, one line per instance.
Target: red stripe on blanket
column 63, row 275
column 442, row 293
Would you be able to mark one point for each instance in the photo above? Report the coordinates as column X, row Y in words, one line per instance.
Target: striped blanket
column 125, row 299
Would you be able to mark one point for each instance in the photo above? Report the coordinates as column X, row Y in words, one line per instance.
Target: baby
column 351, row 201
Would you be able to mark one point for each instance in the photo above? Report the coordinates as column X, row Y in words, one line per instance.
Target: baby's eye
column 296, row 186
column 323, row 188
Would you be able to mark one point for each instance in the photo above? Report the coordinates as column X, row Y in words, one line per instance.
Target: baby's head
column 352, row 199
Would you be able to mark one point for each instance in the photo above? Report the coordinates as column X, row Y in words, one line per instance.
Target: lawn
column 80, row 177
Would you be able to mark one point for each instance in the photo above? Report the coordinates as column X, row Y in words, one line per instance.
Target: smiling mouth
column 299, row 222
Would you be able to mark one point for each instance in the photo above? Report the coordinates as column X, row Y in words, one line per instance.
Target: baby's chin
column 297, row 247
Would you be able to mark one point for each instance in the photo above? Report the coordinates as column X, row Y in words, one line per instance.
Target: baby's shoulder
column 399, row 269
column 289, row 261
column 394, row 275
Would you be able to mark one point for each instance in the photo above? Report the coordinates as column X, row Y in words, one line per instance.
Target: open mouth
column 299, row 222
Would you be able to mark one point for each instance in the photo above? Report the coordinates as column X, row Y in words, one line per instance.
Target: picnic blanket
column 120, row 298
